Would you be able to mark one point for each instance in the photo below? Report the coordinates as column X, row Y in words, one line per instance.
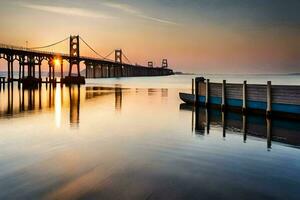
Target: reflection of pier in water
column 155, row 91
column 278, row 130
column 95, row 92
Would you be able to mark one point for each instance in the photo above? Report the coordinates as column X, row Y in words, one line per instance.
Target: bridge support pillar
column 61, row 70
column 8, row 67
column 12, row 69
column 20, row 67
column 74, row 60
column 53, row 72
column 102, row 71
column 40, row 70
column 50, row 64
column 94, row 71
column 86, row 71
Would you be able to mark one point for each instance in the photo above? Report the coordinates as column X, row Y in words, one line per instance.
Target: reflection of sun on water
column 58, row 107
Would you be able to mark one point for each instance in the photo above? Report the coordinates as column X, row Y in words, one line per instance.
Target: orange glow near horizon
column 57, row 62
column 195, row 38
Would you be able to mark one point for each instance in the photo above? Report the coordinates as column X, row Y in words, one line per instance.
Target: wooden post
column 269, row 99
column 197, row 91
column 193, row 87
column 223, row 95
column 244, row 108
column 207, row 93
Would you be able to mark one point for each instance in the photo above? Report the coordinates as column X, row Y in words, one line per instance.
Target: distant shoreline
column 199, row 74
column 254, row 74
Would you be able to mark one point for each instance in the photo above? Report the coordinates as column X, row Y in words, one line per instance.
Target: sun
column 57, row 62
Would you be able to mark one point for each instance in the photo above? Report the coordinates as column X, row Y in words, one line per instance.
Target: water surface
column 132, row 138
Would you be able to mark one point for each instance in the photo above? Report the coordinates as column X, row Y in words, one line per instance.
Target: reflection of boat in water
column 283, row 131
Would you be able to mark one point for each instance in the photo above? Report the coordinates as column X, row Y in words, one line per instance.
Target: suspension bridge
column 30, row 64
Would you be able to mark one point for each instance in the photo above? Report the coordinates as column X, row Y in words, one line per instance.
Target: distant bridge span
column 31, row 59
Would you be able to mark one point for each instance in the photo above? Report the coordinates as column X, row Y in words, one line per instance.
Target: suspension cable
column 42, row 47
column 109, row 54
column 127, row 58
column 91, row 48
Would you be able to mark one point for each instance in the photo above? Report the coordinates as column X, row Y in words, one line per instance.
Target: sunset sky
column 204, row 36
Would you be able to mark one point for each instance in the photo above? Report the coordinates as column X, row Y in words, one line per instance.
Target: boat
column 187, row 98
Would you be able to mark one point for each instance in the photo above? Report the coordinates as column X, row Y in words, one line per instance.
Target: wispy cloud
column 158, row 20
column 123, row 7
column 134, row 11
column 73, row 11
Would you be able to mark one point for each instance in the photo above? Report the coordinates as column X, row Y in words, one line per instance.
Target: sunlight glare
column 58, row 107
column 57, row 62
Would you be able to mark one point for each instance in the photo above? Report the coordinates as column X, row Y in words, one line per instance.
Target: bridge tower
column 74, row 59
column 74, row 54
column 118, row 70
column 150, row 64
column 118, row 55
column 164, row 63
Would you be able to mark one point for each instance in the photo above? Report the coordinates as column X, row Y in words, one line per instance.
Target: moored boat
column 187, row 98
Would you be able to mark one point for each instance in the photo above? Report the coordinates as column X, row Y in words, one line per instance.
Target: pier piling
column 244, row 108
column 269, row 99
column 197, row 90
column 207, row 93
column 223, row 95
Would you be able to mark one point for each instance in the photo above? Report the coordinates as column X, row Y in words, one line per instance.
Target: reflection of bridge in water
column 278, row 130
column 18, row 102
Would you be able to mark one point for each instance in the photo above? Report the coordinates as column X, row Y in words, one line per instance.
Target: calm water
column 132, row 138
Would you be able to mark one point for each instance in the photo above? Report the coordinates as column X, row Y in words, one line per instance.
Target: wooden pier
column 268, row 99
